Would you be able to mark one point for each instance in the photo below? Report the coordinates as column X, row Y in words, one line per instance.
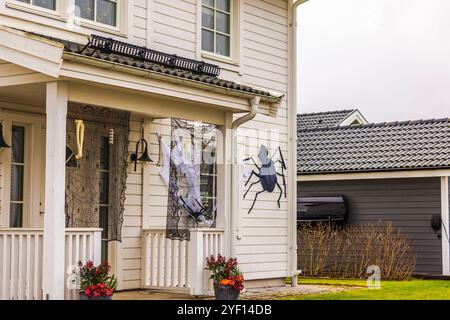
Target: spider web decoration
column 187, row 189
column 88, row 205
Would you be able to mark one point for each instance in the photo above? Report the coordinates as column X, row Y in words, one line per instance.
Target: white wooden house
column 48, row 68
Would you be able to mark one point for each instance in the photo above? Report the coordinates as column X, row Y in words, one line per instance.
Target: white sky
column 388, row 58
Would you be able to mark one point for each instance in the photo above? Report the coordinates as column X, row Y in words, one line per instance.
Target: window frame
column 101, row 170
column 214, row 176
column 215, row 31
column 64, row 13
column 232, row 61
column 59, row 13
column 34, row 147
column 121, row 19
column 25, row 175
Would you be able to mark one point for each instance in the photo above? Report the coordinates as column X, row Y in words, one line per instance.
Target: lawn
column 390, row 290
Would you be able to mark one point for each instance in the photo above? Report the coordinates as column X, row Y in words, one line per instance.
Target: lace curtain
column 96, row 183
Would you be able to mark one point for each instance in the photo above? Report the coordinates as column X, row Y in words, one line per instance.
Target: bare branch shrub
column 346, row 252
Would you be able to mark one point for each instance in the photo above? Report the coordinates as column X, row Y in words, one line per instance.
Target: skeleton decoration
column 79, row 135
column 186, row 186
column 267, row 174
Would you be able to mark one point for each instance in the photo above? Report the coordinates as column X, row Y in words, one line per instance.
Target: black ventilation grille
column 108, row 45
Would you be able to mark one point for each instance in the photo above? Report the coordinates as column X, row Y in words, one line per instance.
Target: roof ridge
column 380, row 124
column 326, row 112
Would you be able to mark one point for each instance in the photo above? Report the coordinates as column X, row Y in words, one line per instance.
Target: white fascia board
column 30, row 51
column 375, row 175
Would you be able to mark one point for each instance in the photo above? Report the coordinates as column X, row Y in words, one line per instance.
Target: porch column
column 223, row 157
column 445, row 226
column 55, row 167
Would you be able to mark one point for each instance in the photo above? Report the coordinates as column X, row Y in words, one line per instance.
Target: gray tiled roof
column 322, row 119
column 422, row 144
column 153, row 67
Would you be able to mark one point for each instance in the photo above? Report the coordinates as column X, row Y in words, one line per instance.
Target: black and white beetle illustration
column 196, row 214
column 267, row 174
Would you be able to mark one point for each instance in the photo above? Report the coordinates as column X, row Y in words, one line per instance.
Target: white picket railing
column 175, row 265
column 81, row 245
column 21, row 264
column 212, row 245
column 21, row 252
column 165, row 261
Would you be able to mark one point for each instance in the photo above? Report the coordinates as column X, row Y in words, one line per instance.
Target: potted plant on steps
column 227, row 278
column 95, row 281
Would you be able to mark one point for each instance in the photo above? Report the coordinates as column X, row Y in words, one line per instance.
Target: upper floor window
column 216, row 26
column 47, row 4
column 101, row 11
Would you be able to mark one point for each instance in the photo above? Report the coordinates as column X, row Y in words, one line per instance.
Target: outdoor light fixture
column 145, row 158
column 3, row 143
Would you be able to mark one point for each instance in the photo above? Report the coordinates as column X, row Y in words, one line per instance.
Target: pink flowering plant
column 225, row 272
column 95, row 281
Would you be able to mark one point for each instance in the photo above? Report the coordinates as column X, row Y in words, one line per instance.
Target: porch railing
column 21, row 260
column 175, row 265
column 81, row 245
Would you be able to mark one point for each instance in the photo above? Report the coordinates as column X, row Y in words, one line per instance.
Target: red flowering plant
column 95, row 281
column 225, row 272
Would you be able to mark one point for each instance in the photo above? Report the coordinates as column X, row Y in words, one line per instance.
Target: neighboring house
column 330, row 118
column 52, row 72
column 387, row 172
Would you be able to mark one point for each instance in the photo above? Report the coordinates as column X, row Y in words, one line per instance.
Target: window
column 47, row 4
column 104, row 194
column 101, row 11
column 17, row 177
column 208, row 175
column 216, row 26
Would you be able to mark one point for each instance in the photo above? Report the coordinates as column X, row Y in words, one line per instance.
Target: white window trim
column 121, row 20
column 233, row 60
column 64, row 13
column 33, row 166
column 60, row 13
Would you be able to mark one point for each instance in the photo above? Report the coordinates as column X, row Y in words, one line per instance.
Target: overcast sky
column 388, row 58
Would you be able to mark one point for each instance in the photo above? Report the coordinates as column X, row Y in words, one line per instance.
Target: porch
column 36, row 94
column 165, row 265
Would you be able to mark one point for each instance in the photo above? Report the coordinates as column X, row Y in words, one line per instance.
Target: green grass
column 390, row 290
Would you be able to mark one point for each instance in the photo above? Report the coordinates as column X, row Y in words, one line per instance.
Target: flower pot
column 85, row 297
column 222, row 292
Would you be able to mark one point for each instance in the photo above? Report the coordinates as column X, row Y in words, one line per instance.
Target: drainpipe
column 234, row 183
column 292, row 144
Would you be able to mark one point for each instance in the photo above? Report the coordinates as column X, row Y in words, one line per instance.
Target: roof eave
column 309, row 173
column 273, row 101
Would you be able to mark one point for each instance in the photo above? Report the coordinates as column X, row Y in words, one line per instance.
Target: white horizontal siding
column 132, row 218
column 262, row 251
column 174, row 27
column 139, row 22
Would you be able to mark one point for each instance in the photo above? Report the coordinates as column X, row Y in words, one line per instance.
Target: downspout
column 234, row 181
column 292, row 145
